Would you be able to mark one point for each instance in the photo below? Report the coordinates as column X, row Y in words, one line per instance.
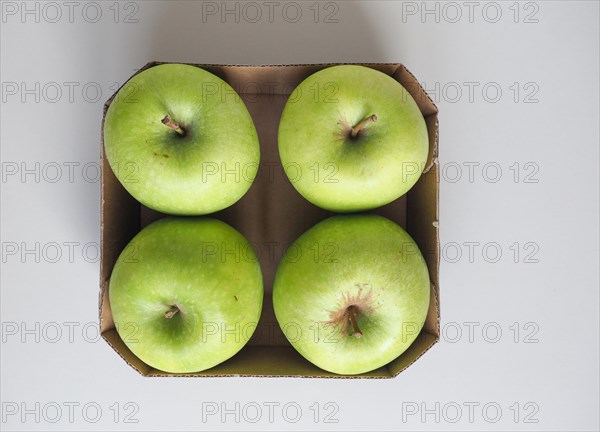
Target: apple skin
column 339, row 173
column 375, row 267
column 187, row 262
column 208, row 169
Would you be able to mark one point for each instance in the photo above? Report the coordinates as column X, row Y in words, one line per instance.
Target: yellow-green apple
column 354, row 138
column 186, row 294
column 362, row 306
column 181, row 140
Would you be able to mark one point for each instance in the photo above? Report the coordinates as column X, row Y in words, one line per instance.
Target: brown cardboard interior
column 273, row 213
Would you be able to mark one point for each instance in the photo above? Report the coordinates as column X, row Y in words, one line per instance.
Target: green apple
column 186, row 294
column 181, row 140
column 361, row 304
column 353, row 139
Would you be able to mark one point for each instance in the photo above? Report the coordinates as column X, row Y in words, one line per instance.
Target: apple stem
column 356, row 129
column 168, row 121
column 351, row 311
column 170, row 313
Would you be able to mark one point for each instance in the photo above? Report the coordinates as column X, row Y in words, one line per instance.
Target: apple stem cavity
column 360, row 126
column 351, row 312
column 168, row 121
column 172, row 312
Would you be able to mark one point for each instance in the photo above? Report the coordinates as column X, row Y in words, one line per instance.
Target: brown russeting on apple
column 349, row 308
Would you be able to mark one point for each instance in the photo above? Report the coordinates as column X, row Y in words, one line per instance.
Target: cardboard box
column 273, row 213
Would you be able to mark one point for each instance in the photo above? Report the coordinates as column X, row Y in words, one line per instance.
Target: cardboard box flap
column 416, row 90
column 423, row 219
column 271, row 79
column 269, row 361
column 115, row 230
column 106, row 319
column 112, row 337
column 427, row 107
column 419, row 347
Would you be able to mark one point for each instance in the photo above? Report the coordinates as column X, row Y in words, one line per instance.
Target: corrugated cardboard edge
column 430, row 339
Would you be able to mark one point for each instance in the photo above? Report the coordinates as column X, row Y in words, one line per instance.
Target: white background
column 551, row 52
